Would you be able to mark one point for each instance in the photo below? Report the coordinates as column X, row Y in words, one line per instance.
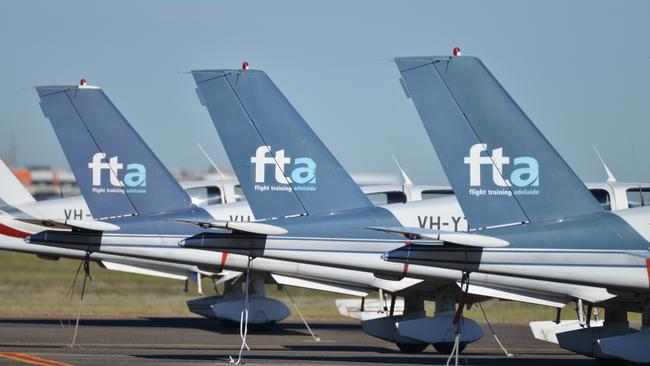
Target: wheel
column 445, row 348
column 411, row 347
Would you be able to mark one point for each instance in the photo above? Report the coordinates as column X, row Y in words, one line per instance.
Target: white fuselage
column 331, row 261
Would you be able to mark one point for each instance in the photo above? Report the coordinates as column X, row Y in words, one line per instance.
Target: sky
column 579, row 69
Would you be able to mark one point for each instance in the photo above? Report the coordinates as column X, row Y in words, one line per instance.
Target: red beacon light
column 456, row 51
column 244, row 66
column 82, row 82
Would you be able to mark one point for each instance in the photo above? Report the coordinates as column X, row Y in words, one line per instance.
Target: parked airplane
column 612, row 194
column 233, row 99
column 16, row 202
column 337, row 223
column 222, row 85
column 516, row 190
column 109, row 200
column 225, row 307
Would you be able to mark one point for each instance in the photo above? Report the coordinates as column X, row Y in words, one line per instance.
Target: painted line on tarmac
column 33, row 360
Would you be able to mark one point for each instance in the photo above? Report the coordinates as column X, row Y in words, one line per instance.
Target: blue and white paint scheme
column 333, row 226
column 553, row 234
column 561, row 232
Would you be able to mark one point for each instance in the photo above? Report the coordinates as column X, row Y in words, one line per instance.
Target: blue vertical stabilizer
column 116, row 171
column 501, row 167
column 283, row 167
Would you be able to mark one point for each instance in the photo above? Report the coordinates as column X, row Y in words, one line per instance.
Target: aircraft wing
column 451, row 237
column 247, row 227
column 321, row 285
column 143, row 270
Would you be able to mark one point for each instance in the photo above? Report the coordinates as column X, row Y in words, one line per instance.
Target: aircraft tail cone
column 87, row 241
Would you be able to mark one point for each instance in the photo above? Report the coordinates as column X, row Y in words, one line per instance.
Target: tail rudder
column 502, row 169
column 282, row 165
column 116, row 171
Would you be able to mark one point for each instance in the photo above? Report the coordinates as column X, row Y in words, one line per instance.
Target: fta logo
column 135, row 176
column 301, row 171
column 525, row 174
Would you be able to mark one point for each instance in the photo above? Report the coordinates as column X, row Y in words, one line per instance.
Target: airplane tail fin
column 501, row 167
column 283, row 167
column 116, row 171
column 12, row 192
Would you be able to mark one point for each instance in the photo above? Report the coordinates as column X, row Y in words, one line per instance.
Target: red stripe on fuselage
column 224, row 256
column 8, row 231
column 406, row 263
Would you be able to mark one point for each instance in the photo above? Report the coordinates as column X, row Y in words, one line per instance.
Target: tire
column 411, row 347
column 445, row 348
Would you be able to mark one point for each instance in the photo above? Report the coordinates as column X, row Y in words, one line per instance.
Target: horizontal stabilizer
column 282, row 165
column 63, row 224
column 117, row 173
column 501, row 167
column 18, row 229
column 247, row 227
column 451, row 237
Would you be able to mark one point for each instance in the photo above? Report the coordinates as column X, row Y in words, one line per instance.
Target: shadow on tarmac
column 428, row 359
column 284, row 328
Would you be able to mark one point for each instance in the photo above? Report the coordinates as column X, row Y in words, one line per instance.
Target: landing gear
column 446, row 303
column 413, row 309
column 413, row 332
column 264, row 311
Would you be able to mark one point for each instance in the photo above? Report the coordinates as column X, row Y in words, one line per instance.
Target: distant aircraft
column 16, row 202
column 107, row 198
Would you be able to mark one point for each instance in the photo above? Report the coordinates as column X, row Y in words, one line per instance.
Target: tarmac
column 189, row 341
